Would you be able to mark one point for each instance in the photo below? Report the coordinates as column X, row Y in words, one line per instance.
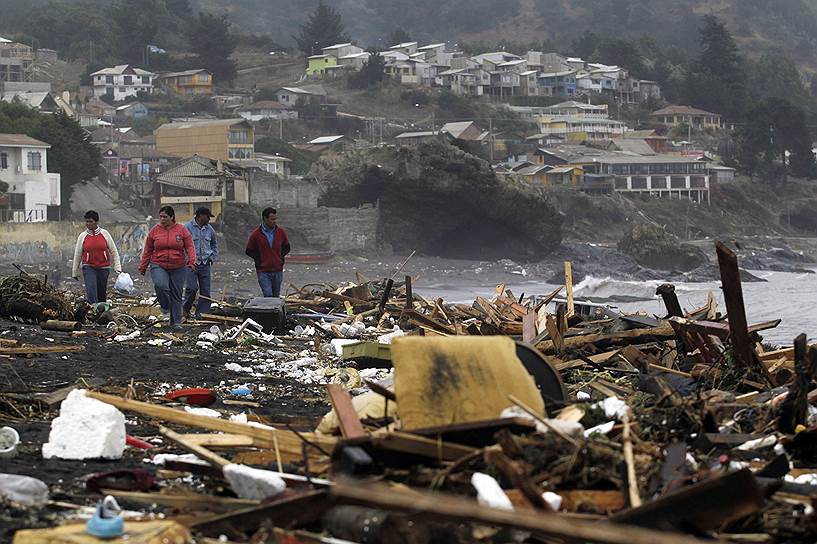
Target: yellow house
column 188, row 83
column 218, row 139
column 564, row 175
column 673, row 116
column 320, row 64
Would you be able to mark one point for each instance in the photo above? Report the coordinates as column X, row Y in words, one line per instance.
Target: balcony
column 22, row 216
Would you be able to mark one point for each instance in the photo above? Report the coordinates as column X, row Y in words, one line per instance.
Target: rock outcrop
column 442, row 201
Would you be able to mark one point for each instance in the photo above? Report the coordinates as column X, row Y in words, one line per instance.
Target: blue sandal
column 107, row 521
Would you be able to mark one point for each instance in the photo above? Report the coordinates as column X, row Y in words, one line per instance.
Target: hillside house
column 33, row 192
column 133, row 110
column 576, row 122
column 16, row 61
column 289, row 96
column 341, row 50
column 217, row 139
column 121, row 81
column 43, row 102
column 406, row 48
column 274, row 164
column 674, row 116
column 266, row 109
column 354, row 61
column 187, row 83
column 199, row 181
column 321, row 65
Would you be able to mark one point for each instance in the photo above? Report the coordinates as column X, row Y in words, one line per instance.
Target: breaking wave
column 621, row 290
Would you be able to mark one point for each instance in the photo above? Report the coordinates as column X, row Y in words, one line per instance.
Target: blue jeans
column 96, row 283
column 198, row 282
column 270, row 283
column 168, row 284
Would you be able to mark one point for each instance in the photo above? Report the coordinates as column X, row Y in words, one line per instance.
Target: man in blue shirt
column 198, row 277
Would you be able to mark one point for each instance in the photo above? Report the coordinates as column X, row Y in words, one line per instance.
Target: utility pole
column 491, row 136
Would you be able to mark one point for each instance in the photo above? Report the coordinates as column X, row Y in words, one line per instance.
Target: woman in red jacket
column 168, row 249
column 95, row 255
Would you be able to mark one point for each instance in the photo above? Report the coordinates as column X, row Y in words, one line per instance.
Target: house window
column 4, row 161
column 128, row 80
column 239, row 137
column 204, row 78
column 34, row 160
column 240, row 153
column 121, row 89
column 146, row 80
column 108, row 79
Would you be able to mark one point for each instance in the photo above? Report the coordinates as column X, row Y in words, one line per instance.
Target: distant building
column 219, row 139
column 40, row 101
column 289, row 96
column 199, row 181
column 187, row 83
column 673, row 116
column 274, row 164
column 133, row 110
column 33, row 193
column 267, row 109
column 320, row 64
column 16, row 61
column 576, row 122
column 121, row 82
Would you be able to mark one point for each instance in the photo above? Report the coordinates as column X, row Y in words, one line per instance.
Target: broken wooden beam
column 733, row 295
column 39, row 350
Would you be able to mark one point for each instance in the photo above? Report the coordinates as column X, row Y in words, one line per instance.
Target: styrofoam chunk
column 86, row 429
column 253, row 483
column 489, row 493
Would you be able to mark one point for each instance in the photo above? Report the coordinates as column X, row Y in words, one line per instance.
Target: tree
column 396, row 36
column 72, row 155
column 372, row 73
column 323, row 28
column 775, row 138
column 137, row 27
column 717, row 77
column 212, row 40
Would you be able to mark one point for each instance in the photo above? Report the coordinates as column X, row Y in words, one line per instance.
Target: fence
column 22, row 216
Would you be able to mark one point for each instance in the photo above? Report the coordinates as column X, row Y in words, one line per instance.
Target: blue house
column 558, row 83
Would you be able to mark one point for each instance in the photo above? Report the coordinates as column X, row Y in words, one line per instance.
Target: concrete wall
column 54, row 241
column 332, row 229
column 268, row 190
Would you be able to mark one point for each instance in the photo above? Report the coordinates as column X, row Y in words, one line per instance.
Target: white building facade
column 33, row 193
column 121, row 82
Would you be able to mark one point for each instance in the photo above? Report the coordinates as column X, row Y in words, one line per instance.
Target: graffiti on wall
column 30, row 252
column 131, row 242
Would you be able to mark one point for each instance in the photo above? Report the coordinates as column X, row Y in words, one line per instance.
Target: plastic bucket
column 9, row 440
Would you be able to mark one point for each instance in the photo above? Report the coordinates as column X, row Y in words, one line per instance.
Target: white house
column 34, row 194
column 274, row 164
column 341, row 50
column 121, row 81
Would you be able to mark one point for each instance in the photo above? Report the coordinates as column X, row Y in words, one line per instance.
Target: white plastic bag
column 124, row 284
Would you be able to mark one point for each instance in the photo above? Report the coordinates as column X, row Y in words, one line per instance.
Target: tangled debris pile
column 447, row 425
column 28, row 298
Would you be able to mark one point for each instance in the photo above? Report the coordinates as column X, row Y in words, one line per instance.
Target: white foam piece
column 86, row 429
column 338, row 343
column 207, row 412
column 489, row 493
column 253, row 483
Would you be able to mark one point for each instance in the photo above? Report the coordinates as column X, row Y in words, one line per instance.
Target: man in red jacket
column 268, row 245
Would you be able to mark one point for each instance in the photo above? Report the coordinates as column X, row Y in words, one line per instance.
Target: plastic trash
column 241, row 391
column 124, row 284
column 9, row 440
column 23, row 489
column 107, row 521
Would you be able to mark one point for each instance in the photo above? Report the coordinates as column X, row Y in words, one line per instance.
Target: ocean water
column 786, row 296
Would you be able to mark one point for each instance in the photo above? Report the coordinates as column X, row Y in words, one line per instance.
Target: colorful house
column 187, row 83
column 319, row 65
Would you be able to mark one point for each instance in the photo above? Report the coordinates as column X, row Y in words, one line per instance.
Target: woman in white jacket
column 95, row 254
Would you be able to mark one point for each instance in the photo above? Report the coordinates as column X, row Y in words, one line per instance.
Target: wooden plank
column 300, row 508
column 409, row 295
column 529, row 327
column 416, row 445
column 55, row 397
column 186, row 501
column 38, row 350
column 200, row 451
column 569, row 289
column 220, row 440
column 733, row 295
column 267, row 438
column 348, row 420
column 704, row 506
column 603, row 341
column 440, row 506
column 8, row 343
column 555, row 335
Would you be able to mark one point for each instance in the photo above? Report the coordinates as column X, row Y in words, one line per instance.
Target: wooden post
column 384, row 298
column 529, row 327
column 733, row 295
column 569, row 288
column 667, row 292
column 57, row 325
column 409, row 294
